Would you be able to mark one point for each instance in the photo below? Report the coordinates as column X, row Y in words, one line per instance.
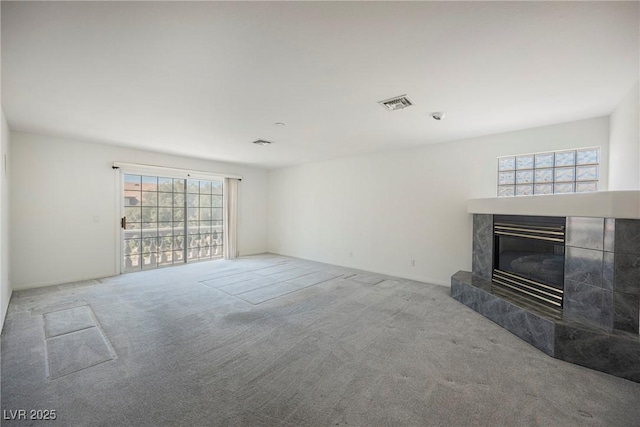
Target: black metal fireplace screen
column 529, row 257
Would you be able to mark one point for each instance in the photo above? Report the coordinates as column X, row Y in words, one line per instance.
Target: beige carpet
column 269, row 340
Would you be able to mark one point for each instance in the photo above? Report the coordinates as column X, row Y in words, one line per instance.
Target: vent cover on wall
column 396, row 103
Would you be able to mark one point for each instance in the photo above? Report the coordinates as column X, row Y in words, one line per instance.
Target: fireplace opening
column 529, row 257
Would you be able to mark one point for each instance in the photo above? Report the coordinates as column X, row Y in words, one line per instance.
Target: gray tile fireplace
column 597, row 322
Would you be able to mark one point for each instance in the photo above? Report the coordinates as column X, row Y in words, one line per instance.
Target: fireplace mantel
column 604, row 204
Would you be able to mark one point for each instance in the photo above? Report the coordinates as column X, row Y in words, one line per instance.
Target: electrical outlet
column 413, row 263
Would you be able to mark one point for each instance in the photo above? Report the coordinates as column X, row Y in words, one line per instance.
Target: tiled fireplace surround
column 599, row 326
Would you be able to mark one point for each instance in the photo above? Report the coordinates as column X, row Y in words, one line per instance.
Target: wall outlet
column 413, row 263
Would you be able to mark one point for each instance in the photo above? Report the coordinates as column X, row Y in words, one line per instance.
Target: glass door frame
column 161, row 172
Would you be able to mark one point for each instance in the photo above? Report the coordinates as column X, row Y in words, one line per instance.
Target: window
column 170, row 221
column 567, row 171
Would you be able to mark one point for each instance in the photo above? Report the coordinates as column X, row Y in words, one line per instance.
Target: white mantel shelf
column 607, row 204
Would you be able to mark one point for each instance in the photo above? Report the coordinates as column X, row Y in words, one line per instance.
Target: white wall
column 624, row 143
column 377, row 212
column 63, row 198
column 5, row 284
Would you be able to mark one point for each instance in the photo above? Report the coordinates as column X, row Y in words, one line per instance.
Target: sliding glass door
column 170, row 221
column 204, row 220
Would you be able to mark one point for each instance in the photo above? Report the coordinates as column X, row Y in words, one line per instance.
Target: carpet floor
column 275, row 341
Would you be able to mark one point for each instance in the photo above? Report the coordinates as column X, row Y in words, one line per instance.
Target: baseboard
column 427, row 280
column 59, row 282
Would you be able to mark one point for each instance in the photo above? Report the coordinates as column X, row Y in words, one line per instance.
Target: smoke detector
column 396, row 103
column 262, row 142
column 439, row 115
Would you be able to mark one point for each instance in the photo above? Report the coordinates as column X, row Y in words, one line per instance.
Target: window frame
column 122, row 168
column 525, row 175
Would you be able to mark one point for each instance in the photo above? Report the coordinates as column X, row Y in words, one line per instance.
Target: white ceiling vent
column 262, row 142
column 396, row 103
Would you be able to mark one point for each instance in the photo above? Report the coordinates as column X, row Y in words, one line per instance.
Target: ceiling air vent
column 262, row 142
column 396, row 103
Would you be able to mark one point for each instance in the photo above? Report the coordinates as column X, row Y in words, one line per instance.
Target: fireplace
column 595, row 318
column 529, row 257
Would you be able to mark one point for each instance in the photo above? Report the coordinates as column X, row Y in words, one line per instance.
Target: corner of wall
column 5, row 285
column 624, row 142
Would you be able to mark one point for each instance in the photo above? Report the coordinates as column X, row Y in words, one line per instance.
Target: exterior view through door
column 170, row 221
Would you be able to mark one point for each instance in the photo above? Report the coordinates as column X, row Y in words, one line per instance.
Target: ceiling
column 205, row 79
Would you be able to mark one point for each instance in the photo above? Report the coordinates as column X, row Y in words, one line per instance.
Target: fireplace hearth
column 572, row 290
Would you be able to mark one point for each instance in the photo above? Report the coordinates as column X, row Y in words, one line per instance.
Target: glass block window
column 567, row 171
